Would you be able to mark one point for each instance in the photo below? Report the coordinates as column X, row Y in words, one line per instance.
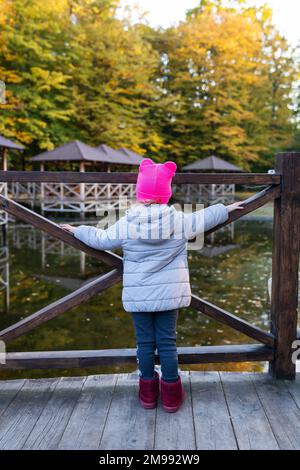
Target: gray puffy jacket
column 154, row 239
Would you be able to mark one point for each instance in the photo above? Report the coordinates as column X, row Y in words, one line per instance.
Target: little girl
column 154, row 237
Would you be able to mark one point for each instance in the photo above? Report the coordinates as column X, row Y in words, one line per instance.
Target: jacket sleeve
column 102, row 239
column 205, row 219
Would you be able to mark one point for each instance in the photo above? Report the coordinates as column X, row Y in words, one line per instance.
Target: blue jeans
column 156, row 330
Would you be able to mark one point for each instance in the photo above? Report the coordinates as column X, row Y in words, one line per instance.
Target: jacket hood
column 151, row 222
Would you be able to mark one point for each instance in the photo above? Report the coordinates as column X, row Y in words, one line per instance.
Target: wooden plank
column 226, row 353
column 68, row 359
column 130, row 177
column 19, row 418
column 54, row 230
column 221, row 315
column 175, row 431
column 251, row 426
column 8, row 391
column 60, row 306
column 213, row 428
column 247, row 410
column 87, row 421
column 226, row 178
column 294, row 389
column 281, row 409
column 52, row 422
column 89, row 358
column 128, row 425
column 285, row 264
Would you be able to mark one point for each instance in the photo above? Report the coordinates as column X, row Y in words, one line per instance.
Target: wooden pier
column 220, row 411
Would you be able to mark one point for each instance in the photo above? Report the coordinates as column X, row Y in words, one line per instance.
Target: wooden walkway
column 221, row 411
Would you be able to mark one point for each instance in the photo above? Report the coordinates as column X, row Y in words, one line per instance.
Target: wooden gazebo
column 5, row 145
column 211, row 164
column 85, row 197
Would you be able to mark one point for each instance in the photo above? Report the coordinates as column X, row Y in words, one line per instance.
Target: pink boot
column 149, row 391
column 172, row 395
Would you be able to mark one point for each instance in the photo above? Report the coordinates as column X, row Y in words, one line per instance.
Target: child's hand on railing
column 68, row 228
column 235, row 206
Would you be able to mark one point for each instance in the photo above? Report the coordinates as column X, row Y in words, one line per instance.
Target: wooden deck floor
column 221, row 411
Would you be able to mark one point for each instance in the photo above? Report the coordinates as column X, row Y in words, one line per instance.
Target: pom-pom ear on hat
column 171, row 166
column 146, row 162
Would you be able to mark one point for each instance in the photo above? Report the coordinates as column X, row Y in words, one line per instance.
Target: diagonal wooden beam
column 231, row 320
column 60, row 306
column 40, row 222
column 251, row 204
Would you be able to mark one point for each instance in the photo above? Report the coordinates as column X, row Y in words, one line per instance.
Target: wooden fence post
column 285, row 265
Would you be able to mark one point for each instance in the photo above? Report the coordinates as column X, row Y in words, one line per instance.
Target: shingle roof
column 79, row 151
column 212, row 163
column 72, row 151
column 9, row 144
column 134, row 158
column 113, row 156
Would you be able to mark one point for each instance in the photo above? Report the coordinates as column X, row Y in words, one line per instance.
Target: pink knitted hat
column 154, row 181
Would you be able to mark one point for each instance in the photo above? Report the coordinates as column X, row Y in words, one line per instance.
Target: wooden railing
column 274, row 346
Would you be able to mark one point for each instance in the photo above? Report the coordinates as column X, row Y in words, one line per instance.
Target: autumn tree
column 114, row 89
column 219, row 82
column 234, row 75
column 35, row 65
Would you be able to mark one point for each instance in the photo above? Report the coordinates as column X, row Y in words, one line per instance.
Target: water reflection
column 4, row 277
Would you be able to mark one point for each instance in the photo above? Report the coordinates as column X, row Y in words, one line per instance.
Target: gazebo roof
column 134, row 158
column 72, row 151
column 79, row 151
column 9, row 144
column 212, row 163
column 114, row 156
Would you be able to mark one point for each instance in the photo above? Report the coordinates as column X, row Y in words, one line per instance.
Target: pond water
column 232, row 271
